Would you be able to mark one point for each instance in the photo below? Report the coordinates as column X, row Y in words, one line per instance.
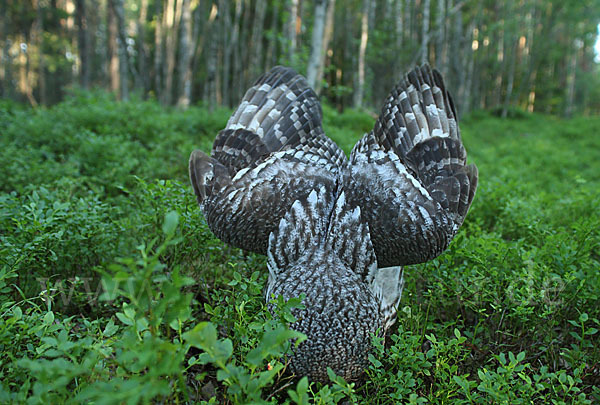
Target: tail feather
column 349, row 238
column 302, row 227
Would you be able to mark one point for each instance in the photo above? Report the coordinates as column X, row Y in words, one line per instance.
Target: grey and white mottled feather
column 333, row 229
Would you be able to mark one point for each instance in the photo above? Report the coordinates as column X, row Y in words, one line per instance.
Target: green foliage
column 111, row 281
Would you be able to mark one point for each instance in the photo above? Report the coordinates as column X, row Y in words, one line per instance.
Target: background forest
column 112, row 288
column 533, row 54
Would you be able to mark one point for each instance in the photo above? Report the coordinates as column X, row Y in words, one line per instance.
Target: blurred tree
column 531, row 54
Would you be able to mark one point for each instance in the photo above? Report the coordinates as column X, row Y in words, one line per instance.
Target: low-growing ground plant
column 114, row 290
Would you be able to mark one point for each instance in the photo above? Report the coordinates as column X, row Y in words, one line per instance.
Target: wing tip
column 197, row 170
column 206, row 175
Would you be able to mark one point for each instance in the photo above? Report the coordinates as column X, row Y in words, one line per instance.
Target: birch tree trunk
column 227, row 50
column 329, row 24
column 571, row 72
column 173, row 15
column 42, row 64
column 271, row 54
column 364, row 37
column 141, row 47
column 236, row 69
column 201, row 39
column 504, row 38
column 425, row 32
column 440, row 58
column 292, row 29
column 112, row 50
column 510, row 82
column 399, row 21
column 469, row 69
column 82, row 44
column 316, row 47
column 124, row 61
column 257, row 38
column 210, row 88
column 244, row 44
column 184, row 86
column 158, row 51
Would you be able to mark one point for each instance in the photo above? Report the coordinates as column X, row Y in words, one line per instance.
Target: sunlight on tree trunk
column 184, row 86
column 158, row 51
column 316, row 47
column 112, row 49
column 329, row 25
column 364, row 37
column 141, row 47
column 173, row 16
column 292, row 29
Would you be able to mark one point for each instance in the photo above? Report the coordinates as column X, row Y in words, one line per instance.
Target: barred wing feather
column 272, row 152
column 409, row 174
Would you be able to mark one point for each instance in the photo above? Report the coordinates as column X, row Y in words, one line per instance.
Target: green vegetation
column 110, row 280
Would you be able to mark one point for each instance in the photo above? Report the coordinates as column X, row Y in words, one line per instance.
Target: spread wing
column 409, row 174
column 272, row 152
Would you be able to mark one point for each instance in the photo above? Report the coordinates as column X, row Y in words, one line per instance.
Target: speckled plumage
column 337, row 230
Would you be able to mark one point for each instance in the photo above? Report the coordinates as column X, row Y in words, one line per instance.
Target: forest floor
column 110, row 280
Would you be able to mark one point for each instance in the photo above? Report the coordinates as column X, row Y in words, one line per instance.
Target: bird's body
column 337, row 230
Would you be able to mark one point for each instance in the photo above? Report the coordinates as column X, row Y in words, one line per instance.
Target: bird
column 337, row 230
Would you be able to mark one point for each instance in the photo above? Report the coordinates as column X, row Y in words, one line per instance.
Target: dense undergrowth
column 113, row 290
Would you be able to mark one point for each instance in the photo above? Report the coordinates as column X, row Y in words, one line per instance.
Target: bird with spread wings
column 337, row 230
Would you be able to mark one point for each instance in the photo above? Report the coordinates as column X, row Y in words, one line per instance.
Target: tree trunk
column 293, row 29
column 227, row 50
column 5, row 57
column 244, row 43
column 425, row 32
column 571, row 72
column 141, row 48
column 202, row 39
column 42, row 64
column 82, row 44
column 459, row 51
column 510, row 83
column 173, row 15
column 329, row 23
column 112, row 50
column 440, row 58
column 469, row 68
column 236, row 69
column 210, row 88
column 399, row 20
column 271, row 56
column 316, row 47
column 364, row 37
column 503, row 37
column 257, row 38
column 158, row 52
column 184, row 86
column 409, row 21
column 124, row 61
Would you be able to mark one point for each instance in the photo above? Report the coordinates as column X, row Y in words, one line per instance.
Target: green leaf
column 49, row 318
column 127, row 321
column 457, row 333
column 170, row 223
column 110, row 328
column 300, row 396
column 204, row 336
